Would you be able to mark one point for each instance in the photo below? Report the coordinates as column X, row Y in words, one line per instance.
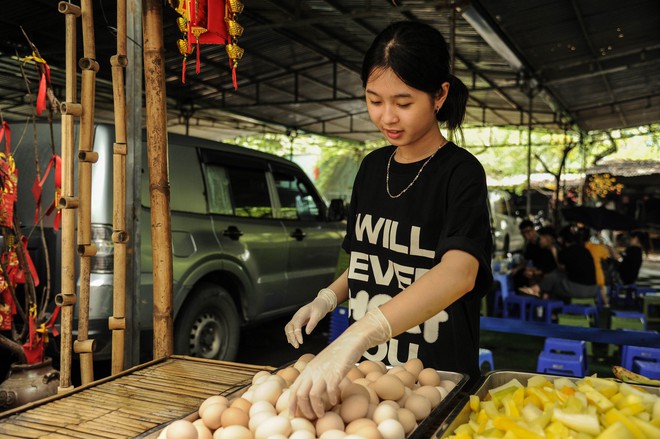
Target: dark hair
column 418, row 54
column 525, row 224
column 644, row 240
column 567, row 235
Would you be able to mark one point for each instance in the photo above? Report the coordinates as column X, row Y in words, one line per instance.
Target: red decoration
column 8, row 179
column 209, row 22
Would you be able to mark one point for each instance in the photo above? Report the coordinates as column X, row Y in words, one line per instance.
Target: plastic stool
column 580, row 320
column 625, row 320
column 650, row 369
column 548, row 306
column 338, row 322
column 515, row 306
column 651, row 307
column 562, row 346
column 628, row 320
column 561, row 364
column 502, row 293
column 630, row 354
column 486, row 358
column 585, row 310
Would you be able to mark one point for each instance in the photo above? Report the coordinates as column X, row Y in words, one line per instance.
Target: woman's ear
column 441, row 96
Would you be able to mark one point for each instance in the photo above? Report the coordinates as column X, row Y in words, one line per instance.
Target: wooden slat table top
column 131, row 403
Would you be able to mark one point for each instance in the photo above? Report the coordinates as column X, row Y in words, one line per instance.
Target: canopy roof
column 590, row 65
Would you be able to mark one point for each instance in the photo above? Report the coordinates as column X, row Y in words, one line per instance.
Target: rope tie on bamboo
column 71, row 109
column 86, row 250
column 84, row 346
column 116, row 323
column 63, row 299
column 88, row 156
column 165, row 188
column 119, row 148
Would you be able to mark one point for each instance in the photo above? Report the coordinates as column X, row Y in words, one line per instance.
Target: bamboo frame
column 156, row 115
column 117, row 322
column 86, row 158
column 67, row 298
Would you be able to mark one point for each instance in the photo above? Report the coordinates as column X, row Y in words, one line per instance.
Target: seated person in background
column 599, row 252
column 536, row 260
column 631, row 260
column 575, row 276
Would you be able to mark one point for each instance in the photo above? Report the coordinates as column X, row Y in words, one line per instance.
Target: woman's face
column 403, row 114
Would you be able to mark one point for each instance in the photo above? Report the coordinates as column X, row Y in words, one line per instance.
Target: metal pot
column 28, row 382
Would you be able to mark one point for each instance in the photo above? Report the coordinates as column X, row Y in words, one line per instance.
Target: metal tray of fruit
column 460, row 414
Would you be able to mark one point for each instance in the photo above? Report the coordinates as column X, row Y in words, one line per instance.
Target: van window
column 297, row 201
column 238, row 191
column 219, row 198
column 185, row 179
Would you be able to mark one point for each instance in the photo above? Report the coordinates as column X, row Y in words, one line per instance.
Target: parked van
column 252, row 239
column 506, row 234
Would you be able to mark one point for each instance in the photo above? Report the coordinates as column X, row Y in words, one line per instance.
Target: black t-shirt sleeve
column 467, row 226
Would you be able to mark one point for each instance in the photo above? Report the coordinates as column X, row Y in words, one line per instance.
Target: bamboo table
column 129, row 404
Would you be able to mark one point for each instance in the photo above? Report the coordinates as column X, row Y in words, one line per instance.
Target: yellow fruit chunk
column 586, row 423
column 614, row 415
column 491, row 410
column 537, row 381
column 510, row 408
column 506, row 424
column 647, row 428
column 474, row 403
column 556, row 429
column 616, row 431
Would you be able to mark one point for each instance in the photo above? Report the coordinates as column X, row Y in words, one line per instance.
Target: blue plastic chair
column 649, row 369
column 563, row 357
column 630, row 354
column 486, row 358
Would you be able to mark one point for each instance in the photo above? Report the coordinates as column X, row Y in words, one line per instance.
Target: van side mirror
column 336, row 210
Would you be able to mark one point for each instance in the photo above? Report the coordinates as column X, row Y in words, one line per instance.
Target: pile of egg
column 376, row 403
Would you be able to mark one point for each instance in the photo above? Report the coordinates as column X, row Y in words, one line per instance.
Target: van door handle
column 298, row 234
column 232, row 232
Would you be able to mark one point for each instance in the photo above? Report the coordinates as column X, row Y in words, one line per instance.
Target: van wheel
column 208, row 325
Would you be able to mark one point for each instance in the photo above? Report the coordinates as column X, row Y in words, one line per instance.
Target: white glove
column 322, row 375
column 310, row 315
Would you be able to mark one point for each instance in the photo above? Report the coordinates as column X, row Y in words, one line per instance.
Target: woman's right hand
column 309, row 316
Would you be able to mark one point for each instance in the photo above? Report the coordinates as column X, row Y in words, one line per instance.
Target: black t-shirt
column 630, row 265
column 542, row 258
column 579, row 264
column 392, row 242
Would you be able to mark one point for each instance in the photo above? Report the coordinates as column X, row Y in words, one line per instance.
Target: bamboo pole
column 117, row 323
column 158, row 180
column 86, row 157
column 67, row 298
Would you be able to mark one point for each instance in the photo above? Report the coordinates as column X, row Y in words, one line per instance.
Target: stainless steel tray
column 461, row 412
column 435, row 418
column 438, row 414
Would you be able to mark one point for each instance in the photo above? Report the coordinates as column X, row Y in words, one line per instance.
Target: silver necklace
column 387, row 176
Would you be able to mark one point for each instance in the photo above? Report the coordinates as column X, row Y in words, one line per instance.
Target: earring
column 436, row 110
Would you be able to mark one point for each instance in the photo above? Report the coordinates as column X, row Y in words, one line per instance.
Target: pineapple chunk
column 616, row 431
column 615, row 415
column 585, row 423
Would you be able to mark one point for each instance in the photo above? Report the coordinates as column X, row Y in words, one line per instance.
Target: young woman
column 418, row 230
